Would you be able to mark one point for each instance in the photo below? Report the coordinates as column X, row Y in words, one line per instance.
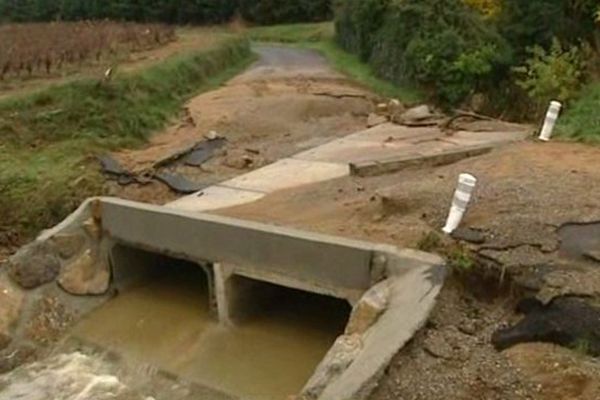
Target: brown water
column 165, row 322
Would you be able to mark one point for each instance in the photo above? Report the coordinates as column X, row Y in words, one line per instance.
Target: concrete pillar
column 223, row 292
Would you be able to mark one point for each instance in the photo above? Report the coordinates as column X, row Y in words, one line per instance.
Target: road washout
column 453, row 356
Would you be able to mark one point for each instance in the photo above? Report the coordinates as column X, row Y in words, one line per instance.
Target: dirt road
column 288, row 101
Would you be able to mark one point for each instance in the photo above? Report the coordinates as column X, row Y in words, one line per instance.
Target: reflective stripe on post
column 462, row 198
column 550, row 121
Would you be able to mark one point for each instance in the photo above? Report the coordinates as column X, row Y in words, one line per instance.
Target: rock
column 34, row 265
column 65, row 376
column 395, row 107
column 86, row 275
column 436, row 345
column 344, row 351
column 593, row 255
column 415, row 115
column 374, row 120
column 11, row 302
column 381, row 109
column 469, row 235
column 566, row 321
column 212, row 135
column 368, row 309
column 239, row 159
column 93, row 228
column 67, row 245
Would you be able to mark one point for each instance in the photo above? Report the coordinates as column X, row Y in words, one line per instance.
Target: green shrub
column 555, row 74
column 441, row 45
column 538, row 22
column 581, row 120
column 357, row 24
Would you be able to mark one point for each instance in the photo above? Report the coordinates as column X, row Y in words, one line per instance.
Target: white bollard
column 550, row 121
column 462, row 197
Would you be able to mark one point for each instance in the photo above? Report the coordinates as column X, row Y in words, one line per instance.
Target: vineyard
column 45, row 48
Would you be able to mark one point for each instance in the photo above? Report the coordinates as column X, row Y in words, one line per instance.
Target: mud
column 580, row 241
column 165, row 322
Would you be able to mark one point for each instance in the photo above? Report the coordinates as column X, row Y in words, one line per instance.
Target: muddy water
column 165, row 322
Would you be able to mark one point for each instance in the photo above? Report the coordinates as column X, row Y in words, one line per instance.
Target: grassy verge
column 320, row 37
column 48, row 140
column 581, row 120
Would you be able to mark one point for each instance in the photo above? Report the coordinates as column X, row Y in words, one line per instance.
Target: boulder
column 344, row 351
column 34, row 265
column 11, row 302
column 469, row 235
column 86, row 275
column 374, row 120
column 395, row 106
column 67, row 245
column 368, row 309
column 419, row 115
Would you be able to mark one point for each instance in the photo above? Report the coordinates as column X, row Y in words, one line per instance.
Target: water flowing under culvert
column 165, row 321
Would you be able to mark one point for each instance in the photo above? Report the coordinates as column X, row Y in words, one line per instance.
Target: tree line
column 167, row 11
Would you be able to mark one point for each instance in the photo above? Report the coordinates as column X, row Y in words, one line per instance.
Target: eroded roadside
column 510, row 251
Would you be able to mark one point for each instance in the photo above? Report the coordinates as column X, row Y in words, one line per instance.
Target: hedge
column 169, row 11
column 441, row 45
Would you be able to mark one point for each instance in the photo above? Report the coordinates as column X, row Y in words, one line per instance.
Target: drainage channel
column 164, row 319
column 243, row 309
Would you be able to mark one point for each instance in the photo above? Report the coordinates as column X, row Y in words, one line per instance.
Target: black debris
column 203, row 152
column 179, row 183
column 566, row 321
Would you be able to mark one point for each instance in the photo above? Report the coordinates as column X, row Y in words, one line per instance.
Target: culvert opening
column 162, row 317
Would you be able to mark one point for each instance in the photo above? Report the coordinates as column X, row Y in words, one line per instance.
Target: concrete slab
column 464, row 138
column 393, row 132
column 352, row 150
column 435, row 157
column 288, row 173
column 215, row 197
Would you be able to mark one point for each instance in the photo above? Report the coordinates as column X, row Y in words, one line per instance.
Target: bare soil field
column 122, row 58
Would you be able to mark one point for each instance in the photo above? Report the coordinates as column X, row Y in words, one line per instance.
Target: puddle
column 578, row 239
column 165, row 322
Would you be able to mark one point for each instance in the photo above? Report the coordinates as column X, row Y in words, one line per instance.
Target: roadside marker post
column 550, row 121
column 462, row 198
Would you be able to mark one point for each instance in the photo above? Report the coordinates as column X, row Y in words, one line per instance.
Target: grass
column 293, row 33
column 581, row 120
column 320, row 37
column 49, row 139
